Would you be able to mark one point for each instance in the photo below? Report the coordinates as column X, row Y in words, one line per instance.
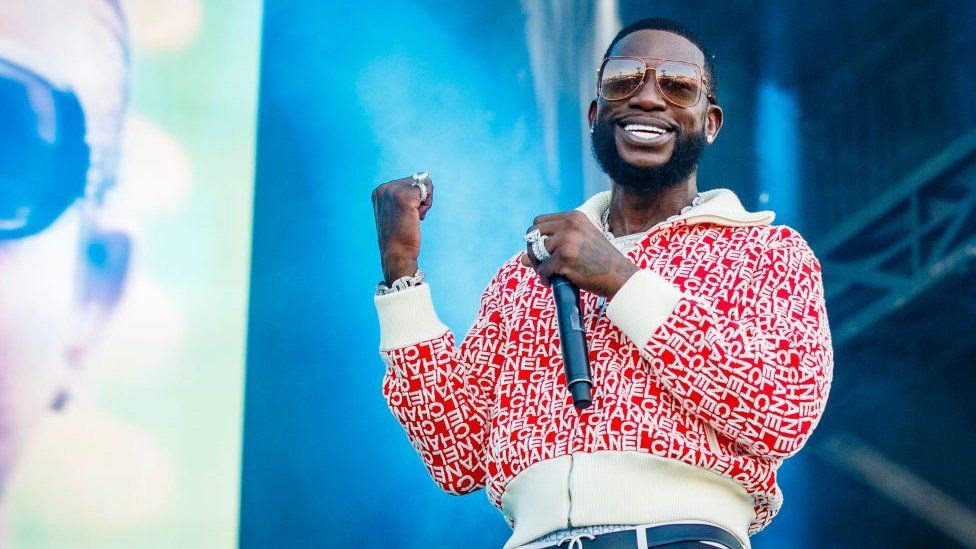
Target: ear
column 591, row 115
column 713, row 122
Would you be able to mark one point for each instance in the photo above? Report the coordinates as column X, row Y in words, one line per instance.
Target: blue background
column 355, row 95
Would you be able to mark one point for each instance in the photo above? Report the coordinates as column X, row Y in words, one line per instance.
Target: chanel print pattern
column 734, row 380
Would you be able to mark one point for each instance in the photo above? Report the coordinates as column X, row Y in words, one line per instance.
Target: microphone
column 576, row 358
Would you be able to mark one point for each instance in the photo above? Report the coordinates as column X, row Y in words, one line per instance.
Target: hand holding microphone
column 569, row 253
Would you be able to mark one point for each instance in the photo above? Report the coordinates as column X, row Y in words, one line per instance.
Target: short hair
column 674, row 27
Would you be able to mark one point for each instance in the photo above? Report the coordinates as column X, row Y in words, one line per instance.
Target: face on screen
column 43, row 165
column 54, row 264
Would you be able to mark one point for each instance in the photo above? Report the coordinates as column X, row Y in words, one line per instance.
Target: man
column 707, row 336
column 63, row 80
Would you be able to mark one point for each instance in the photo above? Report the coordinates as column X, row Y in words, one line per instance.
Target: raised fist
column 398, row 207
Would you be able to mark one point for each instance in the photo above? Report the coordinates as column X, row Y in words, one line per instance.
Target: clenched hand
column 398, row 211
column 581, row 253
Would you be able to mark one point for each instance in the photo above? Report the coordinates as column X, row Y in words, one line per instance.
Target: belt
column 654, row 536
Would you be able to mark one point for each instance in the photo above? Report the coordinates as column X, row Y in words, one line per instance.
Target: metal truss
column 903, row 243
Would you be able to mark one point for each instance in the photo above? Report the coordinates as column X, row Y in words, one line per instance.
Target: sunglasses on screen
column 679, row 82
column 43, row 155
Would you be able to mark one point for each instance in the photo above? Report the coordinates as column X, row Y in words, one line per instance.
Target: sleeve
column 441, row 393
column 760, row 375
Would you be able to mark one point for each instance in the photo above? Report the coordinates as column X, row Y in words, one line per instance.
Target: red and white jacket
column 710, row 366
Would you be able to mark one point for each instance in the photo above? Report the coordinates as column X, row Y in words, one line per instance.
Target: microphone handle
column 576, row 358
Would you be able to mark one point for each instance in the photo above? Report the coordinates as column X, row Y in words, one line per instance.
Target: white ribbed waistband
column 621, row 488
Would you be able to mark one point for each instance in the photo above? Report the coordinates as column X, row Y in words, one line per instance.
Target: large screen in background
column 126, row 193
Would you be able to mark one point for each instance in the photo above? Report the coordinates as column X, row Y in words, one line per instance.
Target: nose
column 647, row 97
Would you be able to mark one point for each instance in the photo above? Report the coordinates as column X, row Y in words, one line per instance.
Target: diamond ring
column 532, row 236
column 418, row 181
column 539, row 249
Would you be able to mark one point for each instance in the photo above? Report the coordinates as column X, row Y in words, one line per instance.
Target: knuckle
column 567, row 252
column 402, row 198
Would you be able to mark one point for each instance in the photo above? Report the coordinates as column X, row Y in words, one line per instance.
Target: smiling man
column 706, row 329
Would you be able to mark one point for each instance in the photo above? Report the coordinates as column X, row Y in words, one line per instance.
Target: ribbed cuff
column 407, row 317
column 642, row 304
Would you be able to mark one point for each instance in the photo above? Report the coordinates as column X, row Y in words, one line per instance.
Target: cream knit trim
column 407, row 317
column 719, row 206
column 621, row 487
column 646, row 300
column 642, row 304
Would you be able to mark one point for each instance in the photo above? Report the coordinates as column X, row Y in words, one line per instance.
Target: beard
column 688, row 148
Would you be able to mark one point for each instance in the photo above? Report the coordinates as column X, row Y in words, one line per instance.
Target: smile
column 645, row 134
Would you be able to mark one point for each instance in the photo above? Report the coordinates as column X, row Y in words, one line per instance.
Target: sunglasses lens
column 43, row 156
column 620, row 78
column 679, row 82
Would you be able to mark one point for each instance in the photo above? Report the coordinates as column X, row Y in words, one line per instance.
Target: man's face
column 664, row 161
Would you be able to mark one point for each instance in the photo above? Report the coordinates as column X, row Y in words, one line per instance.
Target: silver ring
column 418, row 181
column 532, row 236
column 539, row 249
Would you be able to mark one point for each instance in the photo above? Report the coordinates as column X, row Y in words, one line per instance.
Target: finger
column 415, row 186
column 427, row 204
column 550, row 217
column 547, row 269
column 549, row 228
column 552, row 265
column 404, row 192
column 551, row 244
column 411, row 190
column 529, row 259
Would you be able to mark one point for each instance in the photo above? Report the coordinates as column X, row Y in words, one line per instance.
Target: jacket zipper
column 569, row 493
column 712, row 439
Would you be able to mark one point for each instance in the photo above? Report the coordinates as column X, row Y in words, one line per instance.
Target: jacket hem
column 621, row 487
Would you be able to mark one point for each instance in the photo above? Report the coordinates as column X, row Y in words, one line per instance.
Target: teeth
column 641, row 128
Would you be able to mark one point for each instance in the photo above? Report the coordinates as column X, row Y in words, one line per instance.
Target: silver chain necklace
column 605, row 218
column 624, row 242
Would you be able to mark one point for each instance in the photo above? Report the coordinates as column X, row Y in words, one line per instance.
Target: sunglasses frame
column 703, row 80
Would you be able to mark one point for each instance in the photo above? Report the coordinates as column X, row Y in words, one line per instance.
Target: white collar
column 719, row 206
